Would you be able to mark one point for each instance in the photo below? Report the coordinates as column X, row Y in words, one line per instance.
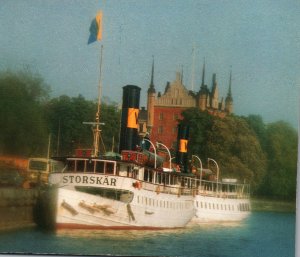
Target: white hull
column 138, row 208
column 219, row 209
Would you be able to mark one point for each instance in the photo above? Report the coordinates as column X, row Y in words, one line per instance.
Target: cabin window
column 71, row 166
column 90, row 166
column 146, row 175
column 158, row 177
column 110, row 168
column 80, row 165
column 100, row 167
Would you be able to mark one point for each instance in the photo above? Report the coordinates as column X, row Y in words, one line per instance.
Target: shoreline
column 268, row 205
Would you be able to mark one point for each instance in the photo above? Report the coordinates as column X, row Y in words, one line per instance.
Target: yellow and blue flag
column 96, row 28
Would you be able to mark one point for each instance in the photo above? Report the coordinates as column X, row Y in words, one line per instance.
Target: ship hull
column 117, row 205
column 221, row 209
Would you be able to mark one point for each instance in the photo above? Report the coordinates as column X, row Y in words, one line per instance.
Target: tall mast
column 97, row 128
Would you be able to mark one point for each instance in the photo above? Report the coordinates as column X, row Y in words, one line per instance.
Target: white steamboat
column 220, row 201
column 130, row 192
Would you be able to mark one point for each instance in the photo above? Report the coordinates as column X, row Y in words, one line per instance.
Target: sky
column 259, row 40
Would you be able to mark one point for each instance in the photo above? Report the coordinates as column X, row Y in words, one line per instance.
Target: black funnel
column 129, row 138
column 182, row 147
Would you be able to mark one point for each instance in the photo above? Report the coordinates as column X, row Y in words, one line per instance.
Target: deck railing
column 225, row 190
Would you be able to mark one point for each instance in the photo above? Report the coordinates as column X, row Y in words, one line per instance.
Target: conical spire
column 203, row 73
column 229, row 96
column 181, row 77
column 151, row 86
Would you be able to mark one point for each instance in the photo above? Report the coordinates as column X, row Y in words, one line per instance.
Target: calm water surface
column 264, row 234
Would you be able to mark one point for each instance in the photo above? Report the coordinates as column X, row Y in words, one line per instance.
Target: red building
column 163, row 112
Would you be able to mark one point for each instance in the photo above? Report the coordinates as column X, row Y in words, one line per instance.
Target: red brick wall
column 164, row 119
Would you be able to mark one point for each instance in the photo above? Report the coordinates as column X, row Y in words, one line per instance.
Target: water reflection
column 192, row 227
column 117, row 234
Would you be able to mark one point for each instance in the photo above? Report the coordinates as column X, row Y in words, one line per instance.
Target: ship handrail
column 214, row 188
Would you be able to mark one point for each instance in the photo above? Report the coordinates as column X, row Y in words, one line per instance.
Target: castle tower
column 214, row 93
column 151, row 101
column 229, row 99
column 203, row 93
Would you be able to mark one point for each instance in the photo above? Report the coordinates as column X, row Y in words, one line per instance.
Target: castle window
column 141, row 127
column 160, row 129
column 161, row 116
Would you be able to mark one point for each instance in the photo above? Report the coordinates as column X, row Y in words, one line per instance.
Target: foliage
column 66, row 116
column 230, row 142
column 23, row 130
column 280, row 180
column 258, row 126
column 248, row 149
column 244, row 147
column 111, row 116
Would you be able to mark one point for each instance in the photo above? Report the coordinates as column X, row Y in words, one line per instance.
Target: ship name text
column 91, row 180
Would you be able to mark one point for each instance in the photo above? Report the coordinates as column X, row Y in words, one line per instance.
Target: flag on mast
column 96, row 28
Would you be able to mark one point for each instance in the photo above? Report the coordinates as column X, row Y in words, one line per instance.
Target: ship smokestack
column 129, row 138
column 182, row 147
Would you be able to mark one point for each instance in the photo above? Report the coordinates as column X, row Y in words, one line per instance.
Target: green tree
column 23, row 130
column 200, row 124
column 280, row 180
column 66, row 116
column 111, row 116
column 231, row 142
column 259, row 127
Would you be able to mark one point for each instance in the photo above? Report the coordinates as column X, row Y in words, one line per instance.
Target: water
column 264, row 234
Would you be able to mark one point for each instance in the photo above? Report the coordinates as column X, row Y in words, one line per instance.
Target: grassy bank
column 272, row 205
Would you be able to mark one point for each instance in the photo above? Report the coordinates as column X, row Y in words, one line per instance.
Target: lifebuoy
column 137, row 184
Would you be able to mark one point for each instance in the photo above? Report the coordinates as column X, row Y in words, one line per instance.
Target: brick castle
column 163, row 111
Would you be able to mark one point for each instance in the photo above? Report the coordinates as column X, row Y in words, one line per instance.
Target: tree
column 229, row 141
column 256, row 123
column 22, row 125
column 66, row 115
column 280, row 180
column 111, row 116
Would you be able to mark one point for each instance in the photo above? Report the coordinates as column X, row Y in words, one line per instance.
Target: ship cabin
column 142, row 173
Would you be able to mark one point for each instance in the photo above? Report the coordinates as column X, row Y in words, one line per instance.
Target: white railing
column 225, row 190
